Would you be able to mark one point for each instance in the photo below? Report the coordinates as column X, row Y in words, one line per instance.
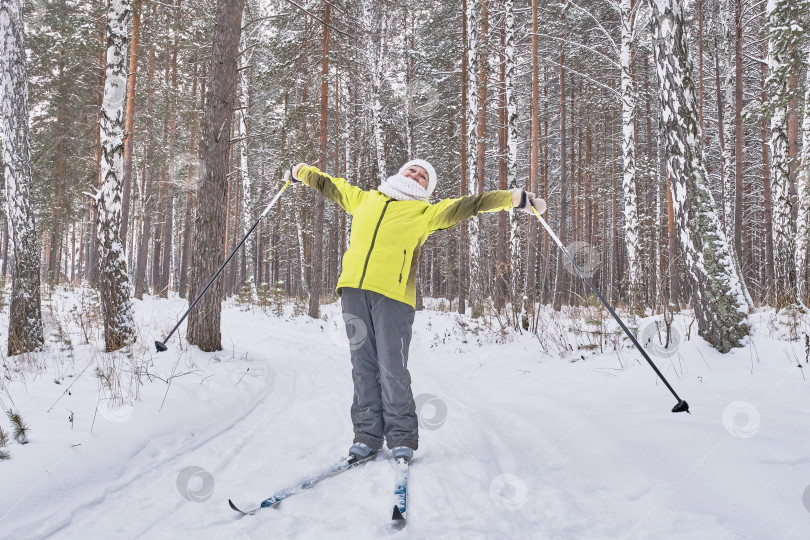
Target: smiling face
column 417, row 174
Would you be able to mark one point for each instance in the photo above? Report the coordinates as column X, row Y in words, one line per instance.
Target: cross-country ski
column 275, row 500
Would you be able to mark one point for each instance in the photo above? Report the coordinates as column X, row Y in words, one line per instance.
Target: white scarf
column 402, row 188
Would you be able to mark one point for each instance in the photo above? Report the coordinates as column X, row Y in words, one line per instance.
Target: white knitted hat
column 430, row 170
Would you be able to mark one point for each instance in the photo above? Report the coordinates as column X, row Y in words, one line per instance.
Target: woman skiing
column 377, row 286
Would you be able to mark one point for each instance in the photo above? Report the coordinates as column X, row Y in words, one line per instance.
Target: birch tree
column 783, row 42
column 25, row 321
column 631, row 223
column 119, row 328
column 473, row 252
column 717, row 295
column 511, row 147
column 803, row 190
column 376, row 27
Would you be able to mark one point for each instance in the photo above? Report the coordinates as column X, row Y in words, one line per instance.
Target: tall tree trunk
column 700, row 63
column 25, row 317
column 531, row 185
column 55, row 233
column 780, row 44
column 766, row 170
column 129, row 122
column 168, row 214
column 473, row 260
column 559, row 280
column 317, row 247
column 510, row 66
column 738, row 133
column 193, row 178
column 631, row 222
column 501, row 264
column 375, row 23
column 725, row 91
column 803, row 192
column 209, row 224
column 147, row 199
column 730, row 156
column 119, row 327
column 91, row 265
column 463, row 252
column 717, row 296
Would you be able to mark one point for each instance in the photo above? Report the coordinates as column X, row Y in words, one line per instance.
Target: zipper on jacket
column 373, row 239
column 401, row 268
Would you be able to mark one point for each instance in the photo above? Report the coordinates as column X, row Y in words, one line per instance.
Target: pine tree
column 209, row 224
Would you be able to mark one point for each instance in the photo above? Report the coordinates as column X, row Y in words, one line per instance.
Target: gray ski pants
column 379, row 332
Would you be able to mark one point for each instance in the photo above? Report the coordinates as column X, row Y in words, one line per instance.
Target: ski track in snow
column 531, row 446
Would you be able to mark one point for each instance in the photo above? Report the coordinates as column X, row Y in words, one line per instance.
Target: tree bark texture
column 209, row 223
column 25, row 323
column 717, row 295
column 119, row 326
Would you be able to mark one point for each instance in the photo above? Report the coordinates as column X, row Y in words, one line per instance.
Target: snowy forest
column 662, row 135
column 143, row 139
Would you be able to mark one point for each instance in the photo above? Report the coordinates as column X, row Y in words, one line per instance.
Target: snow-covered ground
column 516, row 441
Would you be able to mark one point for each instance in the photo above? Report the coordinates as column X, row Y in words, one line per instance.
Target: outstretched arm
column 449, row 212
column 337, row 190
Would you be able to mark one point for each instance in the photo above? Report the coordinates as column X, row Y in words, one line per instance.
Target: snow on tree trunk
column 375, row 58
column 210, row 221
column 725, row 105
column 119, row 328
column 725, row 94
column 473, row 226
column 511, row 147
column 780, row 44
column 717, row 296
column 244, row 154
column 803, row 189
column 631, row 224
column 25, row 321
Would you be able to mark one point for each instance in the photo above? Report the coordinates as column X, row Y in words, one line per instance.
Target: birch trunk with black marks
column 631, row 222
column 25, row 314
column 717, row 295
column 780, row 45
column 119, row 326
column 803, row 191
column 473, row 254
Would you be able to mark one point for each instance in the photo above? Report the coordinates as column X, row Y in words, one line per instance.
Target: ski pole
column 682, row 405
column 161, row 345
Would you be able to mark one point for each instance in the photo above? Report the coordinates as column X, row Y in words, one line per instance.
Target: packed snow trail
column 514, row 443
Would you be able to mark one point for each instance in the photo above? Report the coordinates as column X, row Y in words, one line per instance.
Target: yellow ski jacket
column 387, row 235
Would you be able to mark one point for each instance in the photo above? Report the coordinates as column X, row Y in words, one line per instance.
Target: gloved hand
column 522, row 199
column 291, row 174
